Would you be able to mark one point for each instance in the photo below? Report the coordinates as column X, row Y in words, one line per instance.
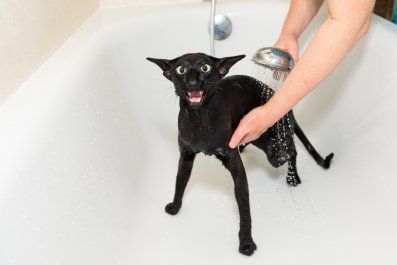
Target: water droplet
column 270, row 80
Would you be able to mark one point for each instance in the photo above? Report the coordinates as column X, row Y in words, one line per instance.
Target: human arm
column 299, row 15
column 348, row 21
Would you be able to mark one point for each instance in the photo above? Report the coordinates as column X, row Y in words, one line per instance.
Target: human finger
column 237, row 137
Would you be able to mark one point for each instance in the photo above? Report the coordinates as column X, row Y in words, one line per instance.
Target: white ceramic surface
column 89, row 152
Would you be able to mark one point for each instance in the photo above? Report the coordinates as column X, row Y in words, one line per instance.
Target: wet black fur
column 207, row 127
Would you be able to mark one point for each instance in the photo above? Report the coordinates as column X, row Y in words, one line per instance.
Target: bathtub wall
column 109, row 3
column 30, row 31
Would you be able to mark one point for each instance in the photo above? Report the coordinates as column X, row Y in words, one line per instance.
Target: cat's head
column 196, row 75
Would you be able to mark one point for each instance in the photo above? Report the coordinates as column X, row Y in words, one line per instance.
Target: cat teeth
column 195, row 96
column 195, row 100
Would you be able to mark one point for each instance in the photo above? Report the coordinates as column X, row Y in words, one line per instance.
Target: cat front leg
column 232, row 161
column 185, row 166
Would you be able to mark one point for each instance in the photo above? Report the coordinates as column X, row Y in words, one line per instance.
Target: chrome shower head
column 274, row 58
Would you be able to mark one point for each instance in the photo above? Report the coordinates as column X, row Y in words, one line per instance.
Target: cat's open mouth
column 195, row 97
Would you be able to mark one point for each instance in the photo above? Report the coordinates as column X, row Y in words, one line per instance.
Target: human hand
column 253, row 125
column 288, row 43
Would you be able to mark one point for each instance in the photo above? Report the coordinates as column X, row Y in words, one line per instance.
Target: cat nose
column 193, row 83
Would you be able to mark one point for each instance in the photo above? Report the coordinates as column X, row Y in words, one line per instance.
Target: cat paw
column 172, row 208
column 247, row 247
column 293, row 181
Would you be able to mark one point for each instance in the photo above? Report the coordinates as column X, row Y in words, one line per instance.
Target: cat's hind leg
column 292, row 174
column 276, row 156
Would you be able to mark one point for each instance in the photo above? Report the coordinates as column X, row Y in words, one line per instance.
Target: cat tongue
column 195, row 96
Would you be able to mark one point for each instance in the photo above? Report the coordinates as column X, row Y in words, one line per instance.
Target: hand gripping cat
column 211, row 107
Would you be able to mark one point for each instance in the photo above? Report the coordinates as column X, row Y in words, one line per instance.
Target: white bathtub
column 89, row 152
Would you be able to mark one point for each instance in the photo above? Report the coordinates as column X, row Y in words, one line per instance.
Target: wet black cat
column 211, row 107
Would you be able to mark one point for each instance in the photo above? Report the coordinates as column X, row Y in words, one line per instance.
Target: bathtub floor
column 99, row 199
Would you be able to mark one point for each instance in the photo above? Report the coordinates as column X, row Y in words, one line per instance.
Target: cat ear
column 225, row 63
column 164, row 64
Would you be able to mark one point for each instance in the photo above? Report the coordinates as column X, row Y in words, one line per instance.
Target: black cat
column 211, row 107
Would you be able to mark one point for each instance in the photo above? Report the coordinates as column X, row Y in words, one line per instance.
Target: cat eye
column 206, row 68
column 181, row 70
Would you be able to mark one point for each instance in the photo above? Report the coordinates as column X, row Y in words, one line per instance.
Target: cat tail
column 325, row 163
